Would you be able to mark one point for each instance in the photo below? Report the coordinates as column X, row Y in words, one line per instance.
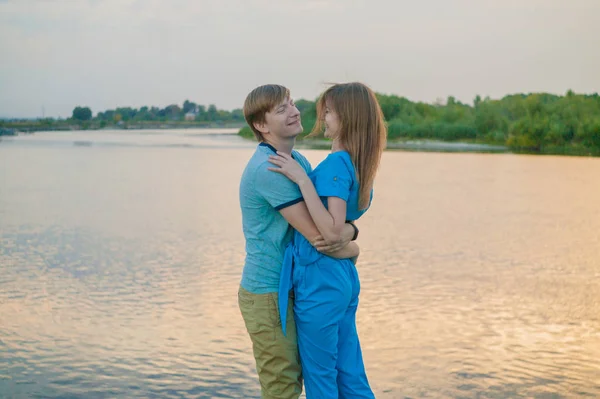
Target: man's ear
column 261, row 127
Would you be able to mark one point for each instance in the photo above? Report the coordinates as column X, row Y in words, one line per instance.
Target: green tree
column 188, row 106
column 212, row 113
column 82, row 114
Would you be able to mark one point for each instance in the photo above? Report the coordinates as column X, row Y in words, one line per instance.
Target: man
column 271, row 206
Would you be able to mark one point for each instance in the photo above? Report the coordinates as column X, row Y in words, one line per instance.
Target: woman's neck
column 336, row 146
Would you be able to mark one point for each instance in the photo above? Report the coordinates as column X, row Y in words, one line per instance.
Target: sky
column 59, row 54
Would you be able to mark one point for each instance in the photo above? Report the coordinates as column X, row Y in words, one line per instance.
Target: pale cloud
column 108, row 53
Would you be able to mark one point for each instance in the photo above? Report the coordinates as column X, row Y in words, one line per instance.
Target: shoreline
column 454, row 146
column 418, row 146
column 412, row 145
column 13, row 129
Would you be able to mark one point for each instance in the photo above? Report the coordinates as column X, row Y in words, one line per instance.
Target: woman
column 326, row 289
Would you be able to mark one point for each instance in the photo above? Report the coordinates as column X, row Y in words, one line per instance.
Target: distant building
column 190, row 116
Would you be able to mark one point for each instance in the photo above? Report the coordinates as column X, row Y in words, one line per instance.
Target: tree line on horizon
column 535, row 122
column 171, row 113
column 172, row 116
column 190, row 111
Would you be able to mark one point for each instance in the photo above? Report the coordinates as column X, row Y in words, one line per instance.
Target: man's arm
column 350, row 251
column 330, row 220
column 277, row 190
column 299, row 218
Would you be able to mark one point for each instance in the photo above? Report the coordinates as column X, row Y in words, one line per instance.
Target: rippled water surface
column 121, row 254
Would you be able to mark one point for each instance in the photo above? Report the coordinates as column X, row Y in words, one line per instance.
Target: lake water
column 121, row 254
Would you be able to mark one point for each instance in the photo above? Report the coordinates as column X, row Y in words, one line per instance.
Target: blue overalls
column 326, row 298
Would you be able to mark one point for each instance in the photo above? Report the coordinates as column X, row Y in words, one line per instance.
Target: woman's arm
column 329, row 222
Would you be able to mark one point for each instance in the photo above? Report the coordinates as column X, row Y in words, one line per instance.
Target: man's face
column 283, row 121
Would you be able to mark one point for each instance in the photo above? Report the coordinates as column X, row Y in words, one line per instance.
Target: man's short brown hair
column 260, row 101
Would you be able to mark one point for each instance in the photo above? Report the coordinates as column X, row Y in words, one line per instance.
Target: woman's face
column 332, row 122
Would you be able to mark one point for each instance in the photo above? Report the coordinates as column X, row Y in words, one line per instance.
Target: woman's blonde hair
column 363, row 132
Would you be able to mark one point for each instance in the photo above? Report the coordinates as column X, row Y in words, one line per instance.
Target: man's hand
column 328, row 247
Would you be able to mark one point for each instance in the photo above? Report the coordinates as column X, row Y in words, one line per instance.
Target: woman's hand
column 288, row 167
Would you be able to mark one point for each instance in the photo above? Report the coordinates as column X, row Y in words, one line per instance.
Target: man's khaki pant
column 277, row 359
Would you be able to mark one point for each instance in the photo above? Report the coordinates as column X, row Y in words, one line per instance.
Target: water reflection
column 119, row 269
column 90, row 313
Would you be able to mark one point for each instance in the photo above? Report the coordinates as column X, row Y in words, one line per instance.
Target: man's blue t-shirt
column 263, row 193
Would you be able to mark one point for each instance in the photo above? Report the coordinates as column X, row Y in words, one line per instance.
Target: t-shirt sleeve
column 333, row 179
column 279, row 191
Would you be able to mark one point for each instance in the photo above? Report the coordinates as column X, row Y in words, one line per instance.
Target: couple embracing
column 299, row 289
